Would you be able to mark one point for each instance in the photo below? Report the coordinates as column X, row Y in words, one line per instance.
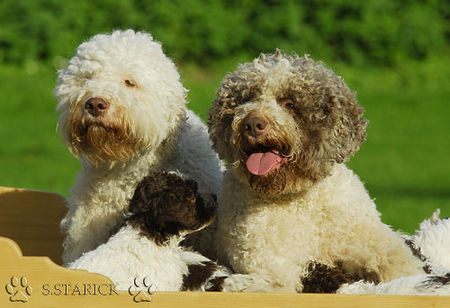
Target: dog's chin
column 270, row 184
column 265, row 165
column 103, row 144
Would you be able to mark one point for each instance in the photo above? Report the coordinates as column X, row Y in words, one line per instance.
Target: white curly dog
column 122, row 112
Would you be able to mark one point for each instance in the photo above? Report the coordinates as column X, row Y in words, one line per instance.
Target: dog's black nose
column 255, row 125
column 96, row 106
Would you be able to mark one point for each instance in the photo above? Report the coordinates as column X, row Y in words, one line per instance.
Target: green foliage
column 358, row 32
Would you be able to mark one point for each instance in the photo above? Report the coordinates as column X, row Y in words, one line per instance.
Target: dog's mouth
column 97, row 124
column 88, row 127
column 102, row 139
column 262, row 160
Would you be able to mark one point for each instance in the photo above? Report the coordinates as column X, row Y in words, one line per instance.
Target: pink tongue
column 261, row 163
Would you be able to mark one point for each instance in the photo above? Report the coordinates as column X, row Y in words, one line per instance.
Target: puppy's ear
column 349, row 125
column 147, row 195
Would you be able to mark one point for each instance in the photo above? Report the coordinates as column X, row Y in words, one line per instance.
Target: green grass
column 404, row 162
column 31, row 153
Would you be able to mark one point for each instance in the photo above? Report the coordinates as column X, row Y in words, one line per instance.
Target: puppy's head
column 165, row 205
column 119, row 95
column 283, row 121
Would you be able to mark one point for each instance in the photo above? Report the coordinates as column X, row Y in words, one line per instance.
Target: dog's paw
column 253, row 283
column 326, row 279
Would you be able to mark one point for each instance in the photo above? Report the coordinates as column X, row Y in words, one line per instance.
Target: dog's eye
column 130, row 83
column 287, row 103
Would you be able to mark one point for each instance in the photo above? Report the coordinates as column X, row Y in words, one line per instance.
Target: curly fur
column 311, row 208
column 146, row 128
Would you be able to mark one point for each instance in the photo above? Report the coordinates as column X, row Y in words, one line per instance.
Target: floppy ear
column 220, row 117
column 236, row 89
column 148, row 194
column 349, row 129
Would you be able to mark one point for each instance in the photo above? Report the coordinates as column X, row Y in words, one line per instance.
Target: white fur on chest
column 333, row 221
column 264, row 237
column 97, row 205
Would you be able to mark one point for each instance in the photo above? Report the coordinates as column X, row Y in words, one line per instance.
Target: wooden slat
column 32, row 219
column 44, row 277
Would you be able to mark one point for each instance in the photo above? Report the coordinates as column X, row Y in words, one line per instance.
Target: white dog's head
column 119, row 95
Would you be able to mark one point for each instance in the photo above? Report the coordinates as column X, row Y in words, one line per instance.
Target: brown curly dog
column 286, row 125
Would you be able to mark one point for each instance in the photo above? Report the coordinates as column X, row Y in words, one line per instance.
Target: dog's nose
column 96, row 106
column 255, row 125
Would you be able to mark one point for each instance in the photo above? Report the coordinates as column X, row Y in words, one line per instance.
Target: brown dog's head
column 165, row 204
column 283, row 121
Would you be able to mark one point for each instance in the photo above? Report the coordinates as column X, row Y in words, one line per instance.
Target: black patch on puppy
column 198, row 275
column 415, row 251
column 438, row 281
column 418, row 253
column 165, row 204
column 326, row 279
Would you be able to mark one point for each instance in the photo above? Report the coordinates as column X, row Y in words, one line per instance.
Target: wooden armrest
column 31, row 218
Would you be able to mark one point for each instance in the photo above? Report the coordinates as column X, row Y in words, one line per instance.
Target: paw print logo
column 140, row 293
column 18, row 289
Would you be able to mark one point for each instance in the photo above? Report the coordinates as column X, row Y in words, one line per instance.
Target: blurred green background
column 395, row 54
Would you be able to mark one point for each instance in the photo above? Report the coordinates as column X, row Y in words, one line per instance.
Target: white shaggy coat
column 411, row 285
column 334, row 220
column 433, row 242
column 130, row 256
column 164, row 134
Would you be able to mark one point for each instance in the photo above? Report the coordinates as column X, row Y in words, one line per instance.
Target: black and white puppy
column 164, row 209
